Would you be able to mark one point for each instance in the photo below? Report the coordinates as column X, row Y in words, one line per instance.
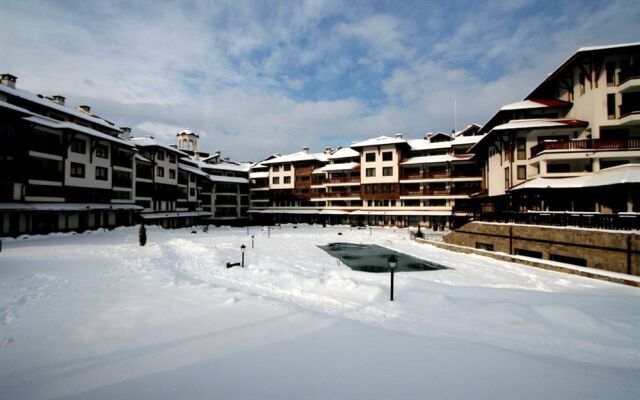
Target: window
column 192, row 178
column 369, row 157
column 484, row 246
column 611, row 73
column 522, row 172
column 160, row 155
column 521, row 147
column 78, row 146
column 506, row 178
column 160, row 172
column 192, row 192
column 172, row 174
column 276, row 168
column 387, row 171
column 370, row 172
column 172, row 158
column 102, row 174
column 275, row 180
column 611, row 106
column 287, row 179
column 387, row 156
column 568, row 260
column 528, row 253
column 102, row 151
column 287, row 167
column 77, row 170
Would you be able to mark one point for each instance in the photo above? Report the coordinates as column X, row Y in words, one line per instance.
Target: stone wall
column 607, row 250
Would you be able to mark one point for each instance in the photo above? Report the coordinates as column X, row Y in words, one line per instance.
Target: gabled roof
column 345, row 152
column 148, row 141
column 518, row 124
column 296, row 157
column 581, row 51
column 444, row 158
column 339, row 167
column 379, row 141
column 55, row 124
column 23, row 94
column 535, row 104
column 191, row 169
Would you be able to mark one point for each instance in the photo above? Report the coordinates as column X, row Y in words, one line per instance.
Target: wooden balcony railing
column 628, row 72
column 426, row 175
column 344, row 179
column 589, row 144
column 341, row 194
column 439, row 192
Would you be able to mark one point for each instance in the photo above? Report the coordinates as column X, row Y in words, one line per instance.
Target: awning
column 621, row 174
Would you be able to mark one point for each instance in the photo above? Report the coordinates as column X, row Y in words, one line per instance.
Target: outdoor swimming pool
column 374, row 258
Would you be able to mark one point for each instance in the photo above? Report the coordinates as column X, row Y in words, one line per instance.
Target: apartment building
column 573, row 143
column 379, row 181
column 60, row 168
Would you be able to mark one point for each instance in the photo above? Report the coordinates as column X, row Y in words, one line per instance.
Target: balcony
column 344, row 179
column 426, row 175
column 587, row 145
column 628, row 73
column 341, row 194
column 628, row 109
column 440, row 192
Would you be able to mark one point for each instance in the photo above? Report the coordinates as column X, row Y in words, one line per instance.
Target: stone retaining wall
column 607, row 250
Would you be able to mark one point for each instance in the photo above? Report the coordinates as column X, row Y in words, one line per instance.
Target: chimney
column 85, row 109
column 398, row 135
column 56, row 98
column 327, row 150
column 226, row 159
column 305, row 150
column 8, row 80
column 126, row 133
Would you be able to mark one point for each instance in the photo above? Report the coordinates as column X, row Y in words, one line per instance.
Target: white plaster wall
column 378, row 164
column 281, row 173
column 89, row 179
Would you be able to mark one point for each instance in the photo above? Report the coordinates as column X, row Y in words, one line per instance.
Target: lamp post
column 242, row 248
column 252, row 236
column 393, row 264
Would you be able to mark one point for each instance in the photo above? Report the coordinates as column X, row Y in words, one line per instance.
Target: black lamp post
column 252, row 236
column 242, row 248
column 393, row 264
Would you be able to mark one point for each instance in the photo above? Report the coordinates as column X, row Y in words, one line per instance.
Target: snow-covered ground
column 95, row 316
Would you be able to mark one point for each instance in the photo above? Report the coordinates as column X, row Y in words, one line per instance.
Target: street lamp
column 252, row 236
column 242, row 248
column 393, row 264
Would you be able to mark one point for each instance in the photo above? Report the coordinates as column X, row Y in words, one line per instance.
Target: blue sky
column 259, row 77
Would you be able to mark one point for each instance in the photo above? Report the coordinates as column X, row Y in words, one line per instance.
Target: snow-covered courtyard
column 96, row 316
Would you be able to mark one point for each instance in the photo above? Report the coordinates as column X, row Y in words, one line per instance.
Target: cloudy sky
column 259, row 77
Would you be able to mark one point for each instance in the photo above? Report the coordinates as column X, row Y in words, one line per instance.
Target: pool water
column 374, row 258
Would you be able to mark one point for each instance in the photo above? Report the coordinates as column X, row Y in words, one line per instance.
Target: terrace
column 586, row 145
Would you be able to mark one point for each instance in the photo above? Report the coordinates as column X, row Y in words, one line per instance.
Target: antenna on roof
column 455, row 116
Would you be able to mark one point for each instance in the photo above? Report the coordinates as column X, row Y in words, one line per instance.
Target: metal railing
column 620, row 221
column 588, row 144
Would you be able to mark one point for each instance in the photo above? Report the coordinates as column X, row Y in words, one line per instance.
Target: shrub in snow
column 142, row 234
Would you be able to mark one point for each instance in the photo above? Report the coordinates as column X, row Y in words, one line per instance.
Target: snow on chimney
column 327, row 150
column 126, row 133
column 305, row 150
column 398, row 135
column 56, row 98
column 85, row 109
column 8, row 80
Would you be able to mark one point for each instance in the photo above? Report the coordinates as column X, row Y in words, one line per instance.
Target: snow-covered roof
column 223, row 166
column 258, row 175
column 228, row 179
column 4, row 104
column 340, row 167
column 141, row 158
column 627, row 173
column 55, row 124
column 463, row 140
column 345, row 152
column 295, row 157
column 379, row 141
column 67, row 206
column 607, row 47
column 540, row 123
column 187, row 132
column 533, row 104
column 151, row 142
column 191, row 169
column 436, row 159
column 23, row 94
column 425, row 144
